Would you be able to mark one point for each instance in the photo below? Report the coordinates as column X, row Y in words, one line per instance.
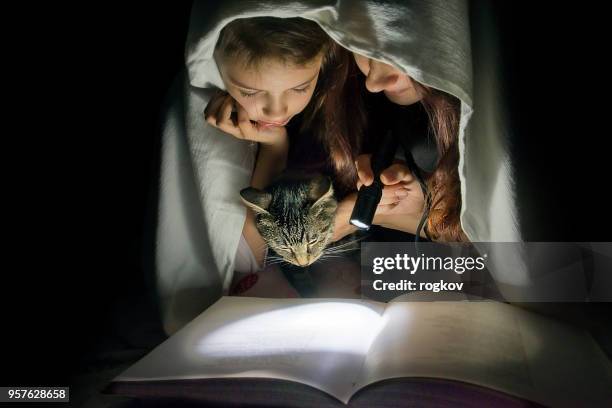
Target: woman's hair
column 297, row 42
column 443, row 185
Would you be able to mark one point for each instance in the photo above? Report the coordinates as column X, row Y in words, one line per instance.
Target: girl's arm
column 253, row 239
column 271, row 157
column 271, row 161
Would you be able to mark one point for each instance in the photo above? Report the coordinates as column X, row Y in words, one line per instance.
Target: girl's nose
column 380, row 77
column 275, row 110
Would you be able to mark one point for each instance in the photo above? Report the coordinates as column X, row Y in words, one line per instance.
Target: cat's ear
column 258, row 200
column 320, row 189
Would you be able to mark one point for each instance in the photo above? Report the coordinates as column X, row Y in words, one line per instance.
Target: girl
column 286, row 77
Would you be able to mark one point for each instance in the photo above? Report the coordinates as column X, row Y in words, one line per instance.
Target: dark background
column 80, row 161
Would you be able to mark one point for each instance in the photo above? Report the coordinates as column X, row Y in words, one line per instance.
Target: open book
column 341, row 345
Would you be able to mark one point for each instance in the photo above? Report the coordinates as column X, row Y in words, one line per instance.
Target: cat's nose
column 302, row 259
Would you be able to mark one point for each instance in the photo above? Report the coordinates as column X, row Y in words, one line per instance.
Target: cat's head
column 295, row 218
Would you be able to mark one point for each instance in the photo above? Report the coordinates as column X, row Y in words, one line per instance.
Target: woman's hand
column 342, row 225
column 402, row 204
column 218, row 113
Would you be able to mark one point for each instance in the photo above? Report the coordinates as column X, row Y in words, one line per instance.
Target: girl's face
column 397, row 86
column 271, row 92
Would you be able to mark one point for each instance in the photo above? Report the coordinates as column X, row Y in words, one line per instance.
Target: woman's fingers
column 364, row 170
column 385, row 208
column 393, row 194
column 396, row 173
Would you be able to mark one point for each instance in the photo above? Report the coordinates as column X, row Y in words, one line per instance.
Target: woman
column 405, row 214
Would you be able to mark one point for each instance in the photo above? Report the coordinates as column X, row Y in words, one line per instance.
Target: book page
column 490, row 344
column 318, row 342
column 565, row 363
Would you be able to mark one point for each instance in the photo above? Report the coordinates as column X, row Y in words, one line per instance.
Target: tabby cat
column 295, row 216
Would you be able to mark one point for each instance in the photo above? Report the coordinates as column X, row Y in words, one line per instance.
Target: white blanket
column 201, row 216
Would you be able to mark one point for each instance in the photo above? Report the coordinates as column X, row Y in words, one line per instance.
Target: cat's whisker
column 335, row 248
column 339, row 251
column 347, row 252
column 274, row 260
column 326, row 261
column 275, row 263
column 275, row 257
column 261, row 248
column 348, row 243
column 339, row 255
column 325, row 257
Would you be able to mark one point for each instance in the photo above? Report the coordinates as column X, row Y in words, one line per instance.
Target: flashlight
column 368, row 197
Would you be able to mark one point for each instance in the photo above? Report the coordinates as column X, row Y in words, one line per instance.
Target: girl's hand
column 224, row 113
column 402, row 203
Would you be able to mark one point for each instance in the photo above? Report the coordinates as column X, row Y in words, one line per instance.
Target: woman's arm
column 399, row 222
column 342, row 225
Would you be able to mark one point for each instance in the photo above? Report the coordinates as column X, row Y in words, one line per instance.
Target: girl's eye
column 302, row 90
column 247, row 95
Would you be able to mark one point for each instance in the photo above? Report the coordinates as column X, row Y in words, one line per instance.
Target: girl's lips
column 263, row 123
